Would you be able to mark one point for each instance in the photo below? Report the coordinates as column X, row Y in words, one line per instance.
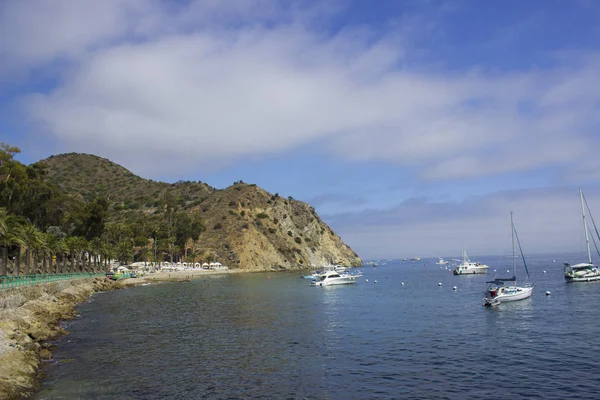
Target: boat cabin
column 500, row 284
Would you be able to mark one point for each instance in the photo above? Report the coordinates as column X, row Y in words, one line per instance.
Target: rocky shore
column 30, row 317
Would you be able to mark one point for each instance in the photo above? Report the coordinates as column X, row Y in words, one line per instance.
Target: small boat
column 334, row 278
column 312, row 275
column 441, row 261
column 469, row 267
column 583, row 272
column 502, row 290
column 416, row 259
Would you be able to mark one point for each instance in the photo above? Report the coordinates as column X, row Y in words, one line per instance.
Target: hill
column 88, row 177
column 242, row 226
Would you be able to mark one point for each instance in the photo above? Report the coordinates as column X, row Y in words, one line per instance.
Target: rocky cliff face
column 252, row 229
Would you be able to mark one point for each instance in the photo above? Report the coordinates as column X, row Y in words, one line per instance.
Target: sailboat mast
column 585, row 228
column 512, row 232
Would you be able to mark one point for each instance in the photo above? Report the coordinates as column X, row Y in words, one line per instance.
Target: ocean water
column 272, row 336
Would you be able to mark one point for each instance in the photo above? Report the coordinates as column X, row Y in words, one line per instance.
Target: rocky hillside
column 244, row 226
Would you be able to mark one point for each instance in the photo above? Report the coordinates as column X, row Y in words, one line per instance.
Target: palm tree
column 144, row 255
column 80, row 247
column 31, row 239
column 71, row 245
column 61, row 250
column 109, row 254
column 4, row 220
column 9, row 236
column 41, row 246
column 52, row 250
column 96, row 247
column 124, row 251
column 56, row 247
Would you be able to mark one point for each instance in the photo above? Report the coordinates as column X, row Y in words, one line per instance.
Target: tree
column 61, row 251
column 9, row 236
column 124, row 251
column 56, row 246
column 71, row 245
column 96, row 216
column 31, row 241
column 81, row 246
column 96, row 247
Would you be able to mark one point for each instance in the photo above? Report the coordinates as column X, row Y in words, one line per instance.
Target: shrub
column 262, row 216
column 242, row 213
column 272, row 230
column 217, row 226
column 297, row 240
column 232, row 203
column 290, row 234
column 244, row 226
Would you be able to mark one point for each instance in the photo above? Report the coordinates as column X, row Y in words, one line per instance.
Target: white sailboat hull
column 510, row 294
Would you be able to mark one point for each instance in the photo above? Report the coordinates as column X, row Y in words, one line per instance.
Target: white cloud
column 547, row 221
column 210, row 82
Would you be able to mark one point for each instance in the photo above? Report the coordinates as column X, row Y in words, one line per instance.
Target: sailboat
column 469, row 267
column 502, row 290
column 583, row 272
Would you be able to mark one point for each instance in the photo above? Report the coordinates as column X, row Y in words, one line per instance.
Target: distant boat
column 441, row 261
column 469, row 267
column 502, row 290
column 583, row 272
column 416, row 259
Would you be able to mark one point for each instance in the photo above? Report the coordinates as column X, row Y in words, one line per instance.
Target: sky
column 413, row 127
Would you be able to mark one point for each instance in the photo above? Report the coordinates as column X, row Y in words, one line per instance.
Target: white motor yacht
column 334, row 278
column 469, row 267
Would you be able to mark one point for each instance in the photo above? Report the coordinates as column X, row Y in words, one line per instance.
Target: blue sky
column 413, row 127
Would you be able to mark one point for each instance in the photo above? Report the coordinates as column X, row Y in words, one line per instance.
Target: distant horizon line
column 562, row 253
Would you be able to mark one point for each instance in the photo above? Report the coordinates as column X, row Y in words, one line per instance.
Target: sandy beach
column 176, row 276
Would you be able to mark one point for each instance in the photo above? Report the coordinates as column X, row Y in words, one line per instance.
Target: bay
column 272, row 336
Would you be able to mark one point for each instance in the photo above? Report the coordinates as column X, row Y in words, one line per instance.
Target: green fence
column 28, row 280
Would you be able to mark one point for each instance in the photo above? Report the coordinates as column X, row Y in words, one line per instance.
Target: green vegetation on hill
column 91, row 210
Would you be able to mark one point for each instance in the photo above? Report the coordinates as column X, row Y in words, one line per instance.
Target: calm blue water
column 272, row 336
